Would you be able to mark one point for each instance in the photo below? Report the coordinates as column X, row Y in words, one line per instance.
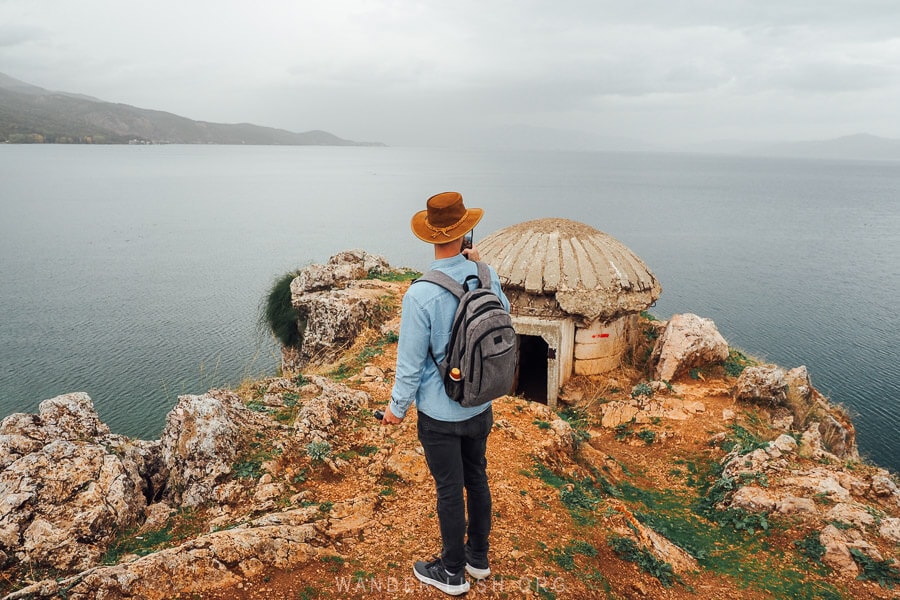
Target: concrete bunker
column 575, row 295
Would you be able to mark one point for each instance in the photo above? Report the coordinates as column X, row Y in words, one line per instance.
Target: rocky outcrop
column 846, row 506
column 66, row 488
column 208, row 563
column 772, row 387
column 201, row 439
column 70, row 488
column 688, row 341
column 334, row 303
column 319, row 416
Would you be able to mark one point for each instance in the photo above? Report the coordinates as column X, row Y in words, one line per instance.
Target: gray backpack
column 480, row 362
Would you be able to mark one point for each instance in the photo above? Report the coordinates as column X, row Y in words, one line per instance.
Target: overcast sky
column 436, row 72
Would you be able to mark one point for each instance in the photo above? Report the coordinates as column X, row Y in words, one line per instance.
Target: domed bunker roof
column 588, row 273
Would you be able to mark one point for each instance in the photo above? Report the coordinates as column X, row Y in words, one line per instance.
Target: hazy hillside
column 861, row 146
column 30, row 114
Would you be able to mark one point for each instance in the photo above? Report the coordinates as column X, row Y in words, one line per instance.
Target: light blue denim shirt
column 425, row 321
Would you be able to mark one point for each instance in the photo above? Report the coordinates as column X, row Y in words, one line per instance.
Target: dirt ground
column 534, row 534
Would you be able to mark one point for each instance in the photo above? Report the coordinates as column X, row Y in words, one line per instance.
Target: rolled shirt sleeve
column 412, row 352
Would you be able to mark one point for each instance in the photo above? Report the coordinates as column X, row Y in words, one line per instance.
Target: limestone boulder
column 341, row 269
column 763, row 385
column 62, row 505
column 66, row 417
column 224, row 559
column 333, row 318
column 318, row 416
column 808, row 405
column 200, row 442
column 688, row 341
column 67, row 486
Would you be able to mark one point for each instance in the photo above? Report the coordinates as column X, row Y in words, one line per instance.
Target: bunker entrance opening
column 531, row 382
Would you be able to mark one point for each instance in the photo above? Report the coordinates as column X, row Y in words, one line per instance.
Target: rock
column 624, row 523
column 784, row 422
column 63, row 504
column 617, row 413
column 837, row 552
column 890, row 529
column 688, row 341
column 369, row 263
column 883, row 486
column 200, row 443
column 838, row 435
column 800, row 387
column 351, row 517
column 67, row 486
column 789, row 505
column 811, row 445
column 764, row 385
column 333, row 318
column 407, row 465
column 341, row 269
column 808, row 405
column 785, row 444
column 851, row 513
column 371, row 373
column 67, row 417
column 206, row 564
column 147, row 457
column 318, row 416
column 753, row 499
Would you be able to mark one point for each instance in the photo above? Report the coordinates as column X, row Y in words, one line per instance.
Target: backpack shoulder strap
column 484, row 275
column 443, row 280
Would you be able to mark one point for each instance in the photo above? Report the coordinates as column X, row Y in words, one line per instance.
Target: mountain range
column 31, row 114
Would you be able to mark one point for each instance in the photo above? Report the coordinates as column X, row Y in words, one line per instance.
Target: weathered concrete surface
column 585, row 271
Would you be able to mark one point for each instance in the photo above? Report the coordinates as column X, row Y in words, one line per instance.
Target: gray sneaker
column 433, row 573
column 476, row 566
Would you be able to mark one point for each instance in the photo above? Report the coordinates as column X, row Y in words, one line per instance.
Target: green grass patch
column 578, row 421
column 627, row 549
column 642, row 389
column 742, row 440
column 648, row 436
column 141, row 544
column 736, row 362
column 579, row 496
column 398, row 275
column 354, row 365
column 565, row 557
column 249, row 463
column 179, row 527
column 884, row 572
column 728, row 542
column 279, row 316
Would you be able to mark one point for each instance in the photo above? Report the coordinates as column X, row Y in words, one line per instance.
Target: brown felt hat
column 446, row 219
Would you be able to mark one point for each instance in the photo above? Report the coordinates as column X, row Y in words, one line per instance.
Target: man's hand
column 389, row 418
column 471, row 253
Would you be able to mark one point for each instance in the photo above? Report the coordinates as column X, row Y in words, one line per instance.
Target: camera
column 467, row 240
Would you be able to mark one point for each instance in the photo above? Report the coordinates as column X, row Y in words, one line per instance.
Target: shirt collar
column 449, row 262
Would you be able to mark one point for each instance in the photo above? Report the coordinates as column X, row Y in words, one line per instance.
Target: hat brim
column 421, row 230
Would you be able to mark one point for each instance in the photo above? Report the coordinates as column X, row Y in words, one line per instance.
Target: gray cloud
column 410, row 72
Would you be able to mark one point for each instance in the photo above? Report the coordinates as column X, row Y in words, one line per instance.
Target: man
column 454, row 438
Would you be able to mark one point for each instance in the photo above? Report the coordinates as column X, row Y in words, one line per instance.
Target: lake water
column 134, row 273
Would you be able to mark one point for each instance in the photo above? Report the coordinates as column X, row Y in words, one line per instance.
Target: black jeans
column 455, row 452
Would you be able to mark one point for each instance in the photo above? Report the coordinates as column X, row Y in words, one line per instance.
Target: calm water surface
column 135, row 273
